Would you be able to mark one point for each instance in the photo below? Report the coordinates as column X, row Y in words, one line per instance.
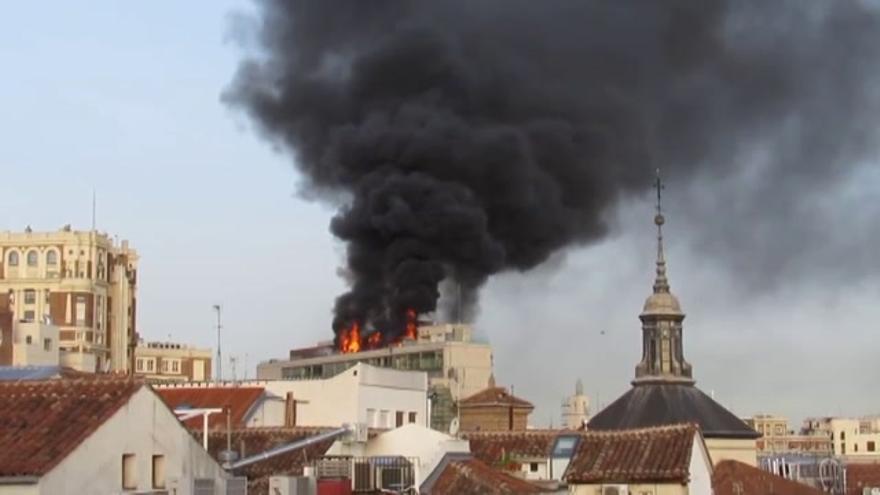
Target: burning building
column 457, row 365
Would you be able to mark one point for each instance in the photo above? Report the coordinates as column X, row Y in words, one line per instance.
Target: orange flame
column 374, row 340
column 350, row 340
column 412, row 325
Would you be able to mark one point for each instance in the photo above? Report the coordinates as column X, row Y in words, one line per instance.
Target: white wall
column 412, row 441
column 19, row 489
column 34, row 354
column 346, row 397
column 700, row 469
column 144, row 427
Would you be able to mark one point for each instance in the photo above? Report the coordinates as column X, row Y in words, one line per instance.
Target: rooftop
column 657, row 404
column 495, row 396
column 41, row 422
column 492, row 447
column 473, row 477
column 861, row 476
column 736, row 478
column 240, row 400
column 648, row 455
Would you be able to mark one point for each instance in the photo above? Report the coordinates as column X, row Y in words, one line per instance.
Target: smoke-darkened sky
column 766, row 130
column 469, row 139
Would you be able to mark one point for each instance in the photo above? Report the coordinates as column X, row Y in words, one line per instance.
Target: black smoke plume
column 470, row 137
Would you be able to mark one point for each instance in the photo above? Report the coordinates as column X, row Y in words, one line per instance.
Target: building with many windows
column 777, row 438
column 170, row 361
column 457, row 366
column 854, row 439
column 32, row 343
column 84, row 283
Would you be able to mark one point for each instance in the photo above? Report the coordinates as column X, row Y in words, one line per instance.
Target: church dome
column 662, row 303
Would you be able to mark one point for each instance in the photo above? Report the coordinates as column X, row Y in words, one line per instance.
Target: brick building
column 494, row 409
column 82, row 282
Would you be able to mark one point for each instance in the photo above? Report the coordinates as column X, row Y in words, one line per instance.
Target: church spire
column 661, row 283
column 662, row 346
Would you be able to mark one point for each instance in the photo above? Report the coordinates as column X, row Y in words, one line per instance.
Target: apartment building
column 456, row 364
column 778, row 439
column 84, row 283
column 854, row 439
column 172, row 362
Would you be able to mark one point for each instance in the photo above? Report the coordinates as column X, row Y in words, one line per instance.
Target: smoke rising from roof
column 462, row 138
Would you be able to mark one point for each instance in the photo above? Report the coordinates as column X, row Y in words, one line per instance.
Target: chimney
column 289, row 410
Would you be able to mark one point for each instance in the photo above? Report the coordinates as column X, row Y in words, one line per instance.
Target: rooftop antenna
column 458, row 302
column 219, row 355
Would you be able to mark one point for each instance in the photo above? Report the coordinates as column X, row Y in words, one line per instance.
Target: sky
column 125, row 100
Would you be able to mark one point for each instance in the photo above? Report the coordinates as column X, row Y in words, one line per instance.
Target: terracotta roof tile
column 491, row 447
column 473, row 477
column 734, row 478
column 660, row 454
column 238, row 399
column 250, row 441
column 41, row 422
column 494, row 396
column 860, row 476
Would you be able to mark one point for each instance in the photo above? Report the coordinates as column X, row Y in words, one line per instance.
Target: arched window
column 52, row 258
column 32, row 258
column 13, row 258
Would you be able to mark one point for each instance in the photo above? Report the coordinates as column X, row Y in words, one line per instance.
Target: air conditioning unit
column 871, row 490
column 292, row 485
column 615, row 490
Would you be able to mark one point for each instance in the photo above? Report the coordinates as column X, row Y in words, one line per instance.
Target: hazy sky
column 125, row 100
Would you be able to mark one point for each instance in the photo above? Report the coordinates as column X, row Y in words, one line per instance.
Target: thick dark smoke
column 470, row 137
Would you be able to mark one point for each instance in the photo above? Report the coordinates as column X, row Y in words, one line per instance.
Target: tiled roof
column 651, row 455
column 41, row 422
column 494, row 396
column 238, row 399
column 492, row 447
column 860, row 476
column 736, row 478
column 473, row 477
column 657, row 404
column 250, row 441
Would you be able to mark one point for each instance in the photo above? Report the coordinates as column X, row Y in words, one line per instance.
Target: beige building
column 576, row 409
column 854, row 439
column 456, row 365
column 27, row 343
column 172, row 362
column 777, row 438
column 82, row 282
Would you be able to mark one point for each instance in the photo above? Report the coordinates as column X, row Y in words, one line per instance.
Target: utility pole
column 219, row 376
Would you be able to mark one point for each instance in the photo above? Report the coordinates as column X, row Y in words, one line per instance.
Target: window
column 164, row 366
column 398, row 419
column 150, row 364
column 412, row 417
column 47, row 344
column 175, row 366
column 28, row 340
column 80, row 311
column 871, row 446
column 30, row 296
column 533, row 467
column 140, row 365
column 52, row 258
column 129, row 472
column 29, row 315
column 13, row 258
column 158, row 471
column 32, row 258
column 855, row 447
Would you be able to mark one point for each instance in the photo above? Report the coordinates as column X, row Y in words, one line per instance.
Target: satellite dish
column 453, row 427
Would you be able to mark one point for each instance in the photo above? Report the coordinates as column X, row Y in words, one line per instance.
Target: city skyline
column 128, row 104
